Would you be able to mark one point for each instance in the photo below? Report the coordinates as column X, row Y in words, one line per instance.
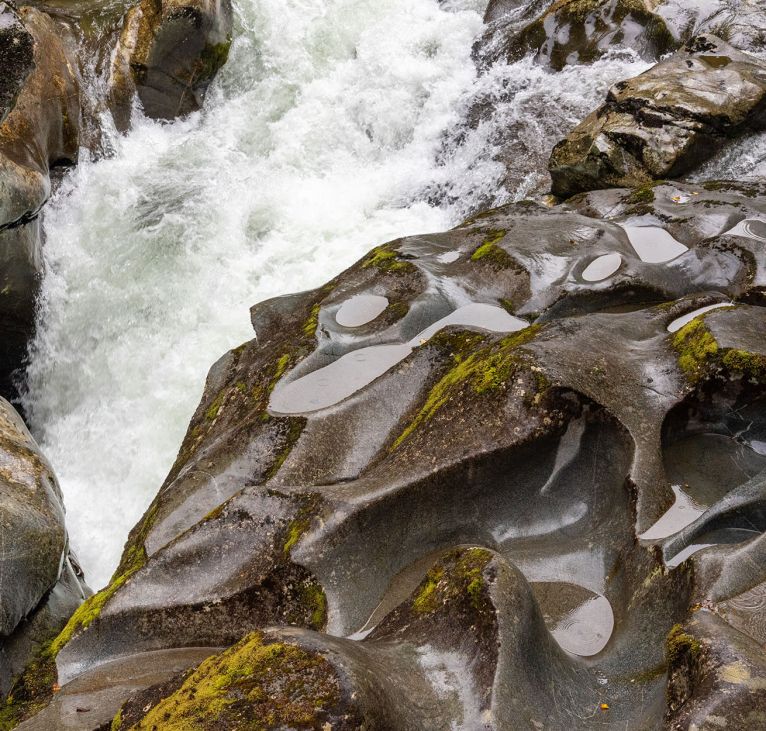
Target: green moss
column 311, row 324
column 291, row 437
column 490, row 252
column 215, row 407
column 280, row 369
column 312, row 596
column 426, row 598
column 650, row 675
column 90, row 610
column 398, row 310
column 696, row 347
column 387, row 260
column 680, row 645
column 644, row 194
column 752, row 365
column 508, row 306
column 116, row 722
column 485, row 370
column 723, row 186
column 255, row 685
column 698, row 352
column 302, row 522
column 31, row 691
column 458, row 574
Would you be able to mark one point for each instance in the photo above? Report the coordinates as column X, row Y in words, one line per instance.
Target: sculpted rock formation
column 40, row 587
column 469, row 508
column 168, row 53
column 664, row 122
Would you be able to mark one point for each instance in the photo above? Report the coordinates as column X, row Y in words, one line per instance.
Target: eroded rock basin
column 500, row 502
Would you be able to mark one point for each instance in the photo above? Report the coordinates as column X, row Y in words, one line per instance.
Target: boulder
column 32, row 519
column 442, row 489
column 566, row 32
column 16, row 58
column 742, row 23
column 40, row 132
column 167, row 54
column 665, row 122
column 41, row 584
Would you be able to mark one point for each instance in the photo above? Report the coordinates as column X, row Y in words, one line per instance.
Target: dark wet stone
column 568, row 32
column 717, row 676
column 664, row 122
column 16, row 58
column 168, row 53
column 41, row 585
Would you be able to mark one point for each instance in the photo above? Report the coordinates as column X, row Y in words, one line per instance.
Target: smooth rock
column 168, row 53
column 664, row 122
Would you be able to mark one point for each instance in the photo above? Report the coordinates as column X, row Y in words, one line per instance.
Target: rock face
column 664, row 122
column 565, row 32
column 16, row 58
column 40, row 587
column 41, row 131
column 168, row 53
column 462, row 515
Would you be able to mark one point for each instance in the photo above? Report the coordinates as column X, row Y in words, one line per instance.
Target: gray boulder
column 665, row 122
column 168, row 53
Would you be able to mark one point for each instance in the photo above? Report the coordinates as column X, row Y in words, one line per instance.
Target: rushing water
column 316, row 143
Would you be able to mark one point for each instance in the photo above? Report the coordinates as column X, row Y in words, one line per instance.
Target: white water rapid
column 317, row 142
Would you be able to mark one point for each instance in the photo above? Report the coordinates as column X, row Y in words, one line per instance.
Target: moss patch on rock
column 311, row 324
column 680, row 646
column 696, row 347
column 699, row 354
column 31, row 691
column 490, row 252
column 386, row 259
column 258, row 684
column 133, row 560
column 300, row 525
column 459, row 573
column 488, row 368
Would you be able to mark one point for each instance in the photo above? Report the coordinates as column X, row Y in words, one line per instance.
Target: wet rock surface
column 665, row 122
column 465, row 539
column 40, row 132
column 16, row 58
column 41, row 585
column 168, row 53
column 568, row 32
